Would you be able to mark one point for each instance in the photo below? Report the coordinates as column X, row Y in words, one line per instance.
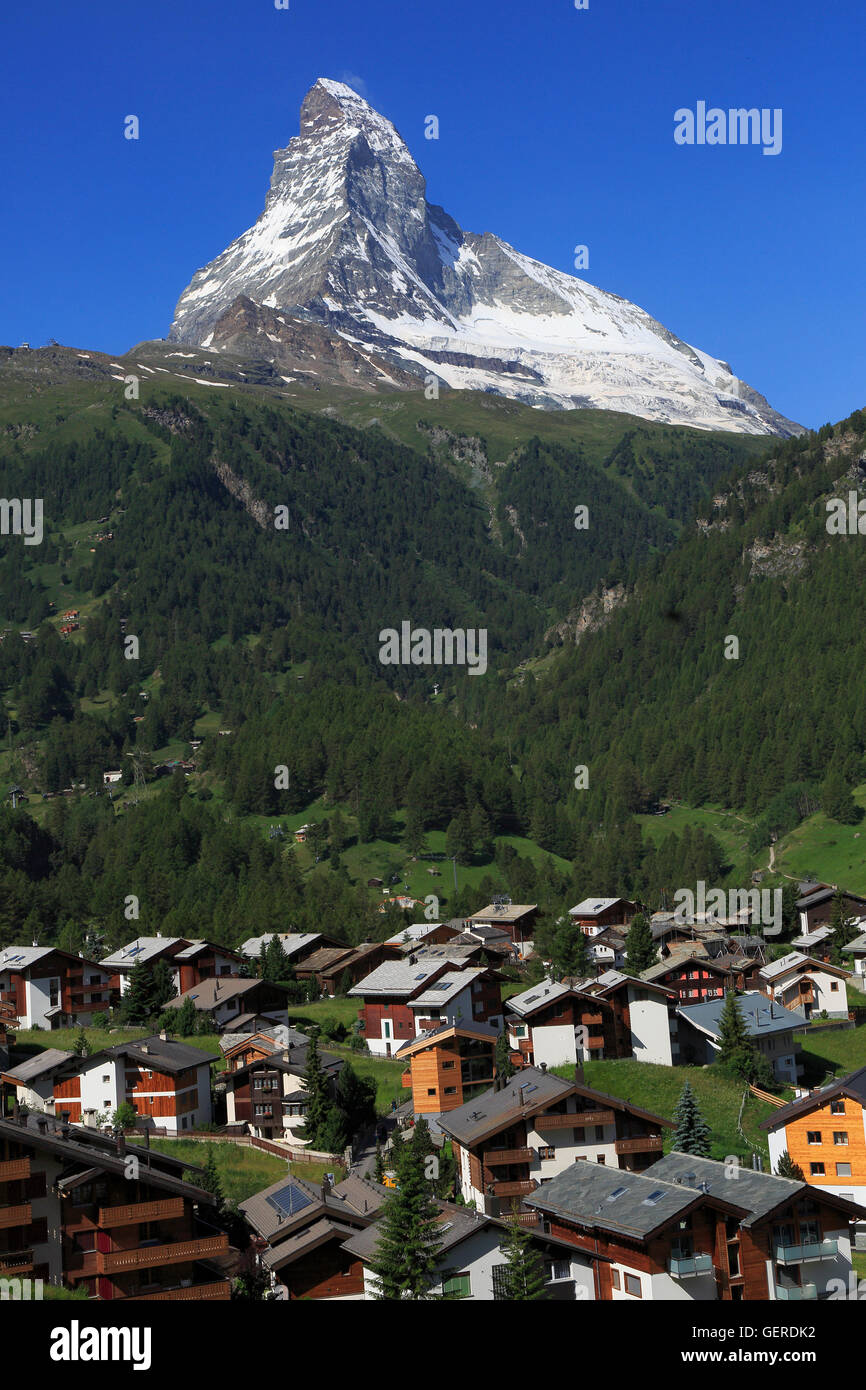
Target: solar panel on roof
column 290, row 1200
column 654, row 1197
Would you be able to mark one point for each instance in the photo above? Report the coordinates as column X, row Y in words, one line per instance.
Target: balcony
column 493, row 1157
column 406, row 1079
column 592, row 1020
column 681, row 1267
column 795, row 1294
column 152, row 1256
column 812, row 1250
column 514, row 1189
column 198, row 1293
column 15, row 1169
column 16, row 1262
column 574, row 1120
column 647, row 1143
column 130, row 1215
column 15, row 1216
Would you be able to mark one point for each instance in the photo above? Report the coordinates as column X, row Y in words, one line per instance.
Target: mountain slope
column 348, row 242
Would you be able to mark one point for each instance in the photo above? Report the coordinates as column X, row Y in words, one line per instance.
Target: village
column 466, row 1067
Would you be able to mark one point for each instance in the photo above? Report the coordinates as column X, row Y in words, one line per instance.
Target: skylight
column 654, row 1197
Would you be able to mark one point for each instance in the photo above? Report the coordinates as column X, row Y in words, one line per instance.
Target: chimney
column 42, row 1123
column 163, row 1035
column 120, row 1140
column 64, row 1124
column 542, row 1066
column 326, row 1187
column 521, row 1095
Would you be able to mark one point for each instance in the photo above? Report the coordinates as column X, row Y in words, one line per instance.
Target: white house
column 809, row 985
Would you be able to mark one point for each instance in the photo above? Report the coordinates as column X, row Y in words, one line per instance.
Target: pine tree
column 209, row 1181
column 787, row 1168
column 185, row 1018
column 733, row 1035
column 692, row 1134
column 81, row 1046
column 319, row 1103
column 379, row 1165
column 640, row 949
column 843, row 928
column 502, row 1059
column 408, row 1247
column 523, row 1277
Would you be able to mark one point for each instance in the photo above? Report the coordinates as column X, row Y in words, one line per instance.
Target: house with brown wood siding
column 698, row 1229
column 448, row 1065
column 825, row 1134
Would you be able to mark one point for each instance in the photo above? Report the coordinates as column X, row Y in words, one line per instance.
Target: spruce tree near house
column 692, row 1134
column 185, row 1019
column 317, row 1086
column 787, row 1168
column 640, row 949
column 81, row 1046
column 523, row 1277
column 502, row 1057
column 407, row 1250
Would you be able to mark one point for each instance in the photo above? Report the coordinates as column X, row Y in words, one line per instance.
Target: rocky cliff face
column 349, row 249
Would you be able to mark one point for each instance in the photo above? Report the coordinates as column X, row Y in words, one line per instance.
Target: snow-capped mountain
column 350, row 274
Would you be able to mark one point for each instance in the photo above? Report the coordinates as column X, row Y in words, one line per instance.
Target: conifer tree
column 640, row 949
column 408, row 1247
column 692, row 1134
column 319, row 1102
column 502, row 1059
column 185, row 1020
column 209, row 1181
column 733, row 1035
column 81, row 1046
column 379, row 1165
column 787, row 1168
column 523, row 1276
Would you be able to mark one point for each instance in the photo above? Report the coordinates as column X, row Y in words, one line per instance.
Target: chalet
column 594, row 915
column 145, row 950
column 45, row 987
column 517, row 1136
column 267, row 1095
column 681, row 1229
column 557, row 1023
column 305, row 1228
column 448, row 1065
column 225, row 999
column 515, row 918
column 770, row 1026
column 240, row 1048
column 471, row 1261
column 495, row 939
column 856, row 949
column 75, row 1216
column 201, row 960
column 331, row 965
column 825, row 1134
column 404, row 998
column 167, row 1083
column 423, row 934
column 696, row 977
column 810, row 986
column 645, row 1025
column 607, row 948
column 297, row 946
column 815, row 905
column 817, row 943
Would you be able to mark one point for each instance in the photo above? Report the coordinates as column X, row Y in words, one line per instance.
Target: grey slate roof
column 456, row 1224
column 761, row 1015
column 37, row 1066
column 494, row 1109
column 757, row 1193
column 633, row 1204
column 398, row 977
column 162, row 1054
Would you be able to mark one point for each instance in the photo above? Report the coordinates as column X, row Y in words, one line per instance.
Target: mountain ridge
column 347, row 243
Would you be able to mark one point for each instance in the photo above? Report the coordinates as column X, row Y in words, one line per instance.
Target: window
column 813, row 1136
column 733, row 1260
column 840, row 1136
column 599, row 1158
column 816, row 1170
column 632, row 1285
column 599, row 1134
column 837, row 1107
column 614, row 1278
column 547, row 1151
column 843, row 1170
column 450, row 1090
column 558, row 1269
column 458, row 1285
column 431, row 1090
column 447, row 1066
column 834, row 984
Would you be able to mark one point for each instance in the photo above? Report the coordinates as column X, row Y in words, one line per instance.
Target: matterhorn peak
column 348, row 255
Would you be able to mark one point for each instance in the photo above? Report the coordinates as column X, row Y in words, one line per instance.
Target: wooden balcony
column 198, row 1293
column 592, row 1020
column 497, row 1156
column 406, row 1079
column 14, row 1169
column 15, row 1216
column 647, row 1143
column 514, row 1189
column 576, row 1120
column 130, row 1215
column 152, row 1256
column 16, row 1262
column 595, row 1042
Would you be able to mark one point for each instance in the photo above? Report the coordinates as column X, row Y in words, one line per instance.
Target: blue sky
column 556, row 129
